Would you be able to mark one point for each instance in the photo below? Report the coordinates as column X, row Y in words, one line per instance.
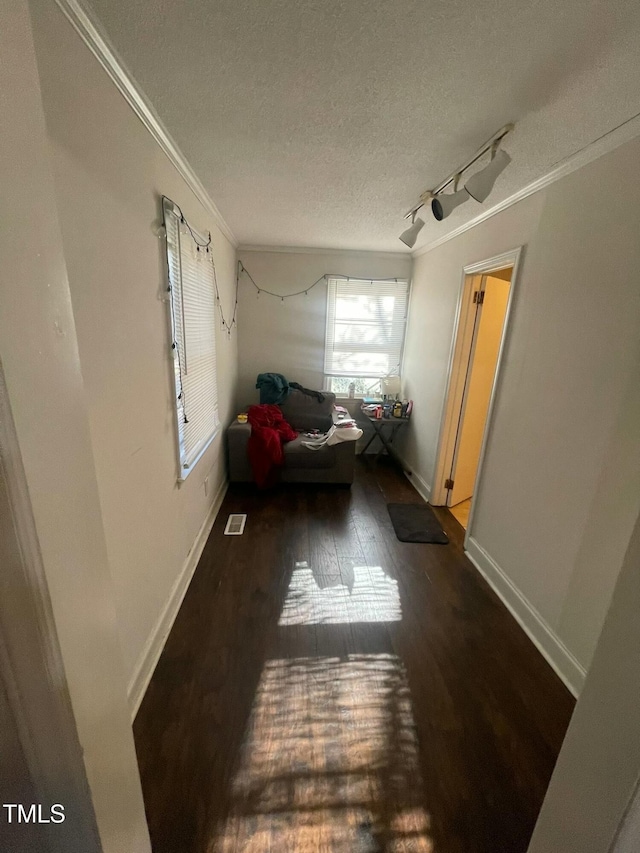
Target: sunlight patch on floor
column 329, row 763
column 350, row 594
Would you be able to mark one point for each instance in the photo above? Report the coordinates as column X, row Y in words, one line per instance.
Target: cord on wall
column 207, row 249
column 283, row 296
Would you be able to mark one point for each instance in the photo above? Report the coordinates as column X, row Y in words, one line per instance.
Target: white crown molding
column 105, row 53
column 609, row 141
column 107, row 56
column 310, row 250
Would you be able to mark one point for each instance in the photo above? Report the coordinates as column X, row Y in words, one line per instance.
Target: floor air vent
column 235, row 524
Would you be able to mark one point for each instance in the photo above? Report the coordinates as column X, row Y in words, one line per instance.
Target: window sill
column 184, row 472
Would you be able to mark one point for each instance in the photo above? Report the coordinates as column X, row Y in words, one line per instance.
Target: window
column 366, row 322
column 193, row 320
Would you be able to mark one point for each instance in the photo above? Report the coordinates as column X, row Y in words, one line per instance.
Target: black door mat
column 416, row 523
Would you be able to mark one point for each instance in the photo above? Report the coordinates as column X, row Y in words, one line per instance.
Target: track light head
column 443, row 204
column 480, row 185
column 477, row 187
column 410, row 236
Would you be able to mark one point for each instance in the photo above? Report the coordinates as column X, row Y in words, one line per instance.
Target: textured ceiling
column 320, row 122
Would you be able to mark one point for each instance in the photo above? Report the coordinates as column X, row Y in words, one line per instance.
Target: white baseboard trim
column 422, row 487
column 153, row 648
column 541, row 635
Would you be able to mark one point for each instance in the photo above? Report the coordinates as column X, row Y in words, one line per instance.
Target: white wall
column 288, row 337
column 629, row 839
column 595, row 779
column 109, row 174
column 47, row 459
column 545, row 499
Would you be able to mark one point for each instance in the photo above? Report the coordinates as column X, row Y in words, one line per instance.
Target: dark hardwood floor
column 326, row 687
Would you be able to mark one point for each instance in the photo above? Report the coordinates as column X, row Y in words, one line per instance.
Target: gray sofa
column 304, row 413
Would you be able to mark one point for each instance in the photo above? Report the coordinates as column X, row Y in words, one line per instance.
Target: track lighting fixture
column 478, row 186
column 444, row 203
column 410, row 236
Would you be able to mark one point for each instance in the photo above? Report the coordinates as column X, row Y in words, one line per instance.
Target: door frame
column 459, row 358
column 461, row 374
column 31, row 664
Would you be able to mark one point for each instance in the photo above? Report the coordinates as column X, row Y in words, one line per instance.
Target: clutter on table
column 388, row 409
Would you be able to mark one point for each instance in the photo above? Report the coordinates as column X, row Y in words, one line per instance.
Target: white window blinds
column 366, row 322
column 193, row 320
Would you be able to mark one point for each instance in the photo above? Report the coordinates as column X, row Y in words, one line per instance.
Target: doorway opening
column 477, row 347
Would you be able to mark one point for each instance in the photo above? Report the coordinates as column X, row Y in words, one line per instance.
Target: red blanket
column 269, row 431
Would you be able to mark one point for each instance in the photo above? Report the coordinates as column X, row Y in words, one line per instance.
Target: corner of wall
column 419, row 484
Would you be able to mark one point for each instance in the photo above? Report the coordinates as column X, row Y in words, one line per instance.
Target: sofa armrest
column 237, row 439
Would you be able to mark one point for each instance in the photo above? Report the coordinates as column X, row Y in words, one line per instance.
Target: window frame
column 329, row 385
column 371, row 379
column 178, row 357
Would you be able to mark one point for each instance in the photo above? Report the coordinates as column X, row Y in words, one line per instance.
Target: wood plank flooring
column 328, row 689
column 461, row 512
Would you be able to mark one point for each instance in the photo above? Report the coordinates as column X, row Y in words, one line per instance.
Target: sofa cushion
column 305, row 413
column 298, row 456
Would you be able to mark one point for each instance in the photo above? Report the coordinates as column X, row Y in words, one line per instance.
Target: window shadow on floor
column 329, row 762
column 326, row 688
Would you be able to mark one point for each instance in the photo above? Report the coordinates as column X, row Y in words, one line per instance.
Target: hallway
column 328, row 688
